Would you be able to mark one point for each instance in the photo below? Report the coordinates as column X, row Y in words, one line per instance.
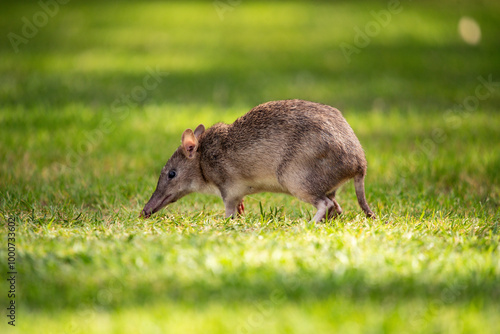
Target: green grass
column 76, row 169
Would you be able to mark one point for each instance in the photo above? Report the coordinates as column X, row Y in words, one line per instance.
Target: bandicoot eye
column 172, row 174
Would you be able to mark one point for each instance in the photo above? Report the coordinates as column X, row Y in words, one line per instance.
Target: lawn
column 94, row 99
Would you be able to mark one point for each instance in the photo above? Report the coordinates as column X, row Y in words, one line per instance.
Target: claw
column 144, row 214
column 241, row 208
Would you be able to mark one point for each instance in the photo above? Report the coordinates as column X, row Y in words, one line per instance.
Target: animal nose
column 145, row 214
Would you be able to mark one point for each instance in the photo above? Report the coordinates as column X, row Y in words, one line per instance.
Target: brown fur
column 297, row 147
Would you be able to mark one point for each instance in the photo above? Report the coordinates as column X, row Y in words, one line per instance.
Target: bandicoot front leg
column 234, row 207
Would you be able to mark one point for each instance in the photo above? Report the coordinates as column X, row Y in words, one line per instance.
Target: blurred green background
column 222, row 54
column 94, row 96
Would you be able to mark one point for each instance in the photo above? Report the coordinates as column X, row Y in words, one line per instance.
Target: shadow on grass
column 247, row 286
column 406, row 76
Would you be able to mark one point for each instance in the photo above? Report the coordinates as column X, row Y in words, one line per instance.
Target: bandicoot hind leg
column 325, row 207
column 313, row 191
column 338, row 209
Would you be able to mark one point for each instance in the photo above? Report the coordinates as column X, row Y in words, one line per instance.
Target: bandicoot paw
column 241, row 208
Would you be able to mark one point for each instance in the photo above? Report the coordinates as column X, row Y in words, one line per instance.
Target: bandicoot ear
column 199, row 130
column 189, row 143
